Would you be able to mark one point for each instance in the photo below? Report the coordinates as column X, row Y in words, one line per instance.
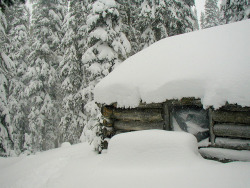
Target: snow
column 211, row 64
column 142, row 159
column 103, row 5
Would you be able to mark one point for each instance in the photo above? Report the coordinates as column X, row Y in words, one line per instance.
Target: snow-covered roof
column 211, row 64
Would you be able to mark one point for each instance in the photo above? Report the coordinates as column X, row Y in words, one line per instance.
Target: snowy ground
column 140, row 159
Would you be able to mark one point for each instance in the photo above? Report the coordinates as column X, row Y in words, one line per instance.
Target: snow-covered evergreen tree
column 71, row 72
column 108, row 46
column 196, row 25
column 145, row 24
column 129, row 12
column 235, row 10
column 18, row 51
column 7, row 67
column 42, row 91
column 211, row 13
column 161, row 18
column 202, row 20
column 179, row 17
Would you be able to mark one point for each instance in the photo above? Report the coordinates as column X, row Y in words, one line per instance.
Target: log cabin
column 197, row 82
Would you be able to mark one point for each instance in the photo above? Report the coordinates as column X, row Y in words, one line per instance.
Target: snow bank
column 211, row 64
column 142, row 159
column 153, row 148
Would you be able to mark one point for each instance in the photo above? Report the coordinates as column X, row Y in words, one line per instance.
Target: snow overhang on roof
column 211, row 64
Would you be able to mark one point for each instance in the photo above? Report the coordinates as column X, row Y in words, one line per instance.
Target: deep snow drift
column 211, row 64
column 142, row 159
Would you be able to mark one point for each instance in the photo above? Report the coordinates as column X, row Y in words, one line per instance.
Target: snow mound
column 211, row 64
column 65, row 144
column 152, row 148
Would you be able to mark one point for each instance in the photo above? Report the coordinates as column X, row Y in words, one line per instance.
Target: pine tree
column 42, row 91
column 196, row 25
column 234, row 11
column 107, row 47
column 7, row 67
column 179, row 17
column 71, row 72
column 202, row 20
column 18, row 35
column 128, row 11
column 211, row 13
column 145, row 24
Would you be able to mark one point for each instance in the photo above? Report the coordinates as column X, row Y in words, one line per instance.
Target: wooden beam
column 151, row 105
column 231, row 117
column 235, row 107
column 232, row 130
column 211, row 126
column 185, row 102
column 137, row 125
column 137, row 114
column 166, row 116
column 228, row 143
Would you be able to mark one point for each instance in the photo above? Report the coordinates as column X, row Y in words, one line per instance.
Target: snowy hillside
column 143, row 159
column 211, row 64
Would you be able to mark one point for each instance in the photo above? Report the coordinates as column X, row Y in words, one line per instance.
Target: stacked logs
column 144, row 117
column 230, row 127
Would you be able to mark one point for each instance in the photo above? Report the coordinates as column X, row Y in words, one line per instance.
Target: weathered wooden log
column 232, row 130
column 166, row 116
column 231, row 117
column 237, row 144
column 137, row 114
column 107, row 111
column 108, row 122
column 234, row 107
column 137, row 125
column 151, row 105
column 186, row 102
column 211, row 126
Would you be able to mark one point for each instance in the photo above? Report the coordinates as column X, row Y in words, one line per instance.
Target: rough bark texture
column 236, row 144
column 231, row 117
column 137, row 125
column 232, row 130
column 147, row 115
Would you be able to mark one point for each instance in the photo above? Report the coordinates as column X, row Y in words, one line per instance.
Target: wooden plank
column 232, row 130
column 137, row 114
column 137, row 125
column 211, row 126
column 231, row 117
column 166, row 116
column 228, row 143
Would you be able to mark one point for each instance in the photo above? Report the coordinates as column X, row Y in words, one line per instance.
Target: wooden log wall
column 229, row 122
column 144, row 117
